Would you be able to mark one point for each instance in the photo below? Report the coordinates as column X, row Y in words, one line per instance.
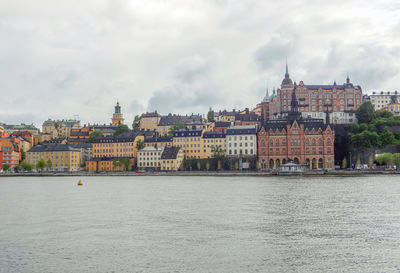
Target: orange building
column 10, row 152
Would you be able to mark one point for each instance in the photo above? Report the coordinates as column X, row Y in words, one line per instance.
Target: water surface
column 200, row 224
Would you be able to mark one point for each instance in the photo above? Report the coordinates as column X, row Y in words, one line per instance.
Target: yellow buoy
column 80, row 183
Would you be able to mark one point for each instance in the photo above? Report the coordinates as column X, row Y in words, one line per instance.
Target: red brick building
column 305, row 141
column 343, row 100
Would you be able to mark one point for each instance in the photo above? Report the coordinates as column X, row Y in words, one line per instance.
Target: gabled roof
column 170, row 152
column 178, row 119
column 51, row 148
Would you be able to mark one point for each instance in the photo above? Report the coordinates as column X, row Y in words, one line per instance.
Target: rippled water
column 200, row 224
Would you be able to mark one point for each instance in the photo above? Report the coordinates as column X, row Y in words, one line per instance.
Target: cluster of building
column 294, row 124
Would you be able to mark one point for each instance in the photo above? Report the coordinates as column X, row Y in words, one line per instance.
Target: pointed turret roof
column 287, row 80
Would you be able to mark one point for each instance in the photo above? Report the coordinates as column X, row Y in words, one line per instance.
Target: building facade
column 305, row 141
column 171, row 159
column 63, row 157
column 59, row 128
column 10, row 151
column 149, row 121
column 382, row 99
column 149, row 158
column 343, row 100
column 241, row 141
column 123, row 146
column 214, row 143
column 191, row 142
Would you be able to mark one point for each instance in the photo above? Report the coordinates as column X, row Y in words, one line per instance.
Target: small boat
column 80, row 183
column 139, row 171
column 290, row 169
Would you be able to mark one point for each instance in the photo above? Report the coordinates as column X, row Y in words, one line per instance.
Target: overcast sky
column 64, row 58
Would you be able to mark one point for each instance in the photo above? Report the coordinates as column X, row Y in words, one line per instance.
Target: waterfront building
column 214, row 142
column 149, row 121
column 191, row 142
column 241, row 141
column 107, row 164
column 26, row 138
column 171, row 158
column 382, row 99
column 305, row 141
column 80, row 135
column 149, row 158
column 10, row 151
column 59, row 128
column 86, row 150
column 64, row 158
column 343, row 100
column 117, row 118
column 164, row 141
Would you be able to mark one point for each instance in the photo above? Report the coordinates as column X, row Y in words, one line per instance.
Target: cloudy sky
column 64, row 58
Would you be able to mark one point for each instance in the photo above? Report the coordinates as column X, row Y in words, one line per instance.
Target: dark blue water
column 200, row 224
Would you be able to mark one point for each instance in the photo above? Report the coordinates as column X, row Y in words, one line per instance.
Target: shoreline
column 203, row 173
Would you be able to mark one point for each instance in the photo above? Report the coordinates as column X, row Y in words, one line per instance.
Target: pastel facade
column 123, row 146
column 59, row 128
column 214, row 142
column 149, row 158
column 149, row 121
column 171, row 159
column 241, row 141
column 393, row 108
column 191, row 142
column 63, row 157
column 164, row 141
column 382, row 99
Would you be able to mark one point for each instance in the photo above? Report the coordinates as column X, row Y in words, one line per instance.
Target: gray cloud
column 58, row 61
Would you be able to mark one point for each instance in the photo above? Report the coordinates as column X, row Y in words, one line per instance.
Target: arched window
column 263, row 143
column 329, row 142
column 313, row 142
column 271, row 143
column 320, row 142
column 307, row 142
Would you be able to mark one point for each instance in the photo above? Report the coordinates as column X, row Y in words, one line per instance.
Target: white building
column 149, row 157
column 241, row 141
column 382, row 99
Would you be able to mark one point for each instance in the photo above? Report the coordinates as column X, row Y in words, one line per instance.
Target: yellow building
column 63, row 157
column 191, row 142
column 170, row 121
column 393, row 108
column 171, row 159
column 214, row 142
column 158, row 142
column 149, row 121
column 117, row 118
column 59, row 128
column 107, row 165
column 123, row 146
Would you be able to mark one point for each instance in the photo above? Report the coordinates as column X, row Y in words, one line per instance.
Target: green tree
column 383, row 114
column 95, row 134
column 210, row 115
column 26, row 166
column 49, row 164
column 386, row 137
column 365, row 113
column 396, row 159
column 23, row 155
column 126, row 163
column 198, row 165
column 121, row 128
column 136, row 122
column 385, row 159
column 139, row 144
column 208, row 165
column 41, row 164
column 6, row 167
